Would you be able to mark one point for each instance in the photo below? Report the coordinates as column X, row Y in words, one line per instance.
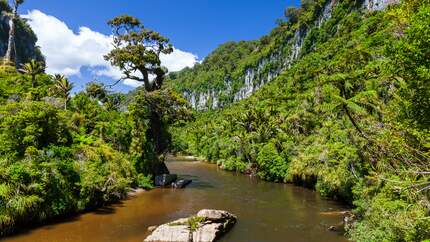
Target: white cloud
column 67, row 52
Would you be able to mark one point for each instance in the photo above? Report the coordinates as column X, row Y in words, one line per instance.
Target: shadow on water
column 70, row 219
column 105, row 211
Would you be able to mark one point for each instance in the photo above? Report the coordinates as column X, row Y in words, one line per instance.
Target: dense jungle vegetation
column 350, row 118
column 60, row 153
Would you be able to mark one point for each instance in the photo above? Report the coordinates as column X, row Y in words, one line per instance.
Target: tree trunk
column 156, row 132
column 33, row 81
column 345, row 108
column 9, row 57
column 159, row 140
column 148, row 86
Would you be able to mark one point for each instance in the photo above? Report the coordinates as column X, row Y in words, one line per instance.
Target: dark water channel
column 267, row 212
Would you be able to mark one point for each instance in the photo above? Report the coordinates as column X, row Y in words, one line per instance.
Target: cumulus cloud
column 67, row 52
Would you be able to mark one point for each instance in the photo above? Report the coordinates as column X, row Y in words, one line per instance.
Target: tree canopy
column 137, row 51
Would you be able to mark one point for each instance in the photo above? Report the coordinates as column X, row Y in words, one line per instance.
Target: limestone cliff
column 26, row 48
column 205, row 95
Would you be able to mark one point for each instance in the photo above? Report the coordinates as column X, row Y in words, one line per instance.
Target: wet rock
column 215, row 215
column 135, row 192
column 208, row 232
column 182, row 183
column 349, row 219
column 333, row 228
column 176, row 231
column 152, row 228
column 165, row 179
column 207, row 226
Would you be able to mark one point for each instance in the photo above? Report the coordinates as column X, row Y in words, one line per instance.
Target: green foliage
column 33, row 68
column 348, row 118
column 27, row 127
column 62, row 154
column 144, row 181
column 194, row 222
column 412, row 55
column 271, row 164
column 62, row 88
column 151, row 115
column 138, row 49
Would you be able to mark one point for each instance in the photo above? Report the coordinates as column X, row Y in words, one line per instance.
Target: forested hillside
column 350, row 117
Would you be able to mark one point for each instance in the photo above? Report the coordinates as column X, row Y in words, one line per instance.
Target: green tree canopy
column 137, row 51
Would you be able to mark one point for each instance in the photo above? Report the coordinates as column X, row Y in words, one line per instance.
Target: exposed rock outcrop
column 378, row 4
column 207, row 226
column 26, row 48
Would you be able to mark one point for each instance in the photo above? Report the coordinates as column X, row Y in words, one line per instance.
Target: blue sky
column 193, row 26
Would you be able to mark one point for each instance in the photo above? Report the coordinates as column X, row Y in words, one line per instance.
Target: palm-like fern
column 63, row 88
column 33, row 68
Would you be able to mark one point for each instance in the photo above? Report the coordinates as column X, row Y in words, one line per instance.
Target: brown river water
column 267, row 212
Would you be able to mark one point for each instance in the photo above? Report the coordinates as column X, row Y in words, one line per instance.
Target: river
column 267, row 212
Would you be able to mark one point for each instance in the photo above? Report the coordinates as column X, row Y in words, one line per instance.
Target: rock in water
column 165, row 180
column 176, row 231
column 182, row 183
column 209, row 225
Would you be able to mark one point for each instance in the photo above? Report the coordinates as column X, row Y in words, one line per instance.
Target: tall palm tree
column 33, row 68
column 9, row 57
column 63, row 87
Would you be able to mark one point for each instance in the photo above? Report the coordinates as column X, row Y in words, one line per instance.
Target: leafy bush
column 144, row 182
column 272, row 166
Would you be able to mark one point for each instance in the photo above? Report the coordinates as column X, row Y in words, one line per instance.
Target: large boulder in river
column 165, row 179
column 207, row 226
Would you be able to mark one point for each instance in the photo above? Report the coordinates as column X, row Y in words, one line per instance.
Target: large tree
column 137, row 51
column 11, row 51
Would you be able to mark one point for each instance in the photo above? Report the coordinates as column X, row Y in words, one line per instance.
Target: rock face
column 374, row 5
column 207, row 226
column 26, row 48
column 165, row 179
